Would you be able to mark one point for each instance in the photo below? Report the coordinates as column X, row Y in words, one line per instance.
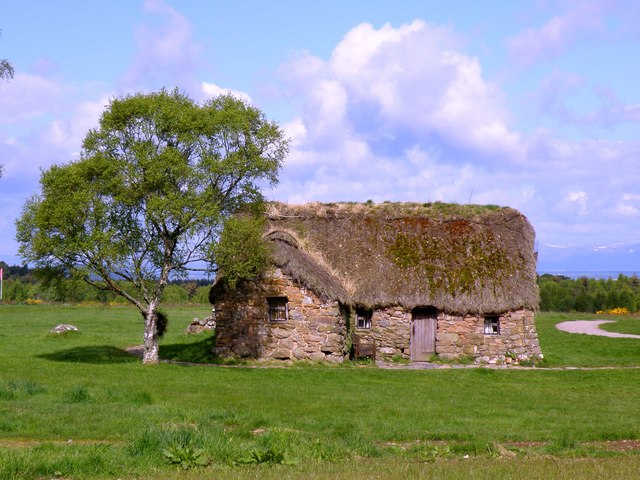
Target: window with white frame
column 492, row 325
column 278, row 309
column 363, row 318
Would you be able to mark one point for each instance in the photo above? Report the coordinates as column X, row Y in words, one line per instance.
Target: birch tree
column 148, row 197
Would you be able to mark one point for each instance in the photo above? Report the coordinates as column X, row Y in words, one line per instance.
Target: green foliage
column 271, row 455
column 163, row 323
column 562, row 294
column 241, row 253
column 186, row 456
column 175, row 294
column 433, row 452
column 150, row 193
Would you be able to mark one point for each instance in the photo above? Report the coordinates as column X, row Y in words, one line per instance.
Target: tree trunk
column 150, row 355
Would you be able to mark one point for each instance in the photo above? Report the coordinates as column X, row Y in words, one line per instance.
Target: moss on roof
column 457, row 258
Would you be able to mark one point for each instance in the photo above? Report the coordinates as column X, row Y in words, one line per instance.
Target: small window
column 278, row 310
column 492, row 325
column 363, row 318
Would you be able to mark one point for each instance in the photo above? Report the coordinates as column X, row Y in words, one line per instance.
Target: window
column 492, row 325
column 363, row 318
column 278, row 310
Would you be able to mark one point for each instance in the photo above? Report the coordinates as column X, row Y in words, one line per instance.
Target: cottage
column 413, row 280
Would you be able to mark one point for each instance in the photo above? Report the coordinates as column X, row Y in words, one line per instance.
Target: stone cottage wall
column 318, row 330
column 315, row 330
column 390, row 331
column 456, row 336
column 459, row 336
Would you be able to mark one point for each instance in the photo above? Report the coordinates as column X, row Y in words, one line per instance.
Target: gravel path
column 591, row 327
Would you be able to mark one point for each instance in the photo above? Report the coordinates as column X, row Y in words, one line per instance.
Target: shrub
column 186, row 456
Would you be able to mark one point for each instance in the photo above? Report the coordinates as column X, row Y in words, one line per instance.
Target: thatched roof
column 457, row 258
column 301, row 266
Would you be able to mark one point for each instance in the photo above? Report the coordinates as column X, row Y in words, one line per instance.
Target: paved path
column 591, row 327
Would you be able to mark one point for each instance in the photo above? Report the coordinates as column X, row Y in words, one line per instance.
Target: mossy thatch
column 303, row 268
column 457, row 258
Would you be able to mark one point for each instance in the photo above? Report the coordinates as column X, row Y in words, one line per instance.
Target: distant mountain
column 620, row 257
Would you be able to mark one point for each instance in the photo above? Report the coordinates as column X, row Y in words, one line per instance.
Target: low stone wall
column 315, row 330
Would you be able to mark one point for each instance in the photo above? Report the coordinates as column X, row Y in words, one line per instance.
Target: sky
column 530, row 104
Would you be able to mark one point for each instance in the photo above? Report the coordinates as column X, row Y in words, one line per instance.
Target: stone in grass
column 63, row 328
column 200, row 325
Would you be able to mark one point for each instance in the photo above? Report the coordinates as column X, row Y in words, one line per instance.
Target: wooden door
column 423, row 334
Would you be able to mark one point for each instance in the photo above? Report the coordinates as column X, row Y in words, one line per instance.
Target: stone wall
column 459, row 336
column 390, row 331
column 318, row 331
column 456, row 336
column 315, row 330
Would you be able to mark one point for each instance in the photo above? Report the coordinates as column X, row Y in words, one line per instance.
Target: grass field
column 78, row 406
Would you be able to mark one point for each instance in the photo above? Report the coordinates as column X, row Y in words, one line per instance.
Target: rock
column 281, row 353
column 63, row 328
column 243, row 350
column 469, row 349
column 334, row 358
column 447, row 337
column 387, row 351
column 200, row 325
column 317, row 356
column 299, row 354
column 280, row 333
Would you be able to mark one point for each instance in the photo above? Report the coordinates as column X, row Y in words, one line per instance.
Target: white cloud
column 166, row 53
column 406, row 84
column 296, row 131
column 577, row 200
column 557, row 34
column 403, row 114
column 631, row 197
column 68, row 134
column 28, row 96
column 213, row 90
column 626, row 210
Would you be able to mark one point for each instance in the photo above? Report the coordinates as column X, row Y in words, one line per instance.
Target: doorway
column 423, row 333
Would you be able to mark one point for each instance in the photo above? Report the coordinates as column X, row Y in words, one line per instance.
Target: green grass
column 623, row 324
column 563, row 348
column 79, row 406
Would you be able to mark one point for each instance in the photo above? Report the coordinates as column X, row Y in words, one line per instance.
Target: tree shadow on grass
column 199, row 351
column 95, row 354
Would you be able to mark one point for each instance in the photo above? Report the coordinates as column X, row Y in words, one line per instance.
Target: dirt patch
column 28, row 442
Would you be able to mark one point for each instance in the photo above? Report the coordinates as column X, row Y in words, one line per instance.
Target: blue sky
column 531, row 104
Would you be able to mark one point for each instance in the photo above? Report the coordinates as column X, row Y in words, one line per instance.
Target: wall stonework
column 315, row 330
column 464, row 336
column 390, row 331
column 318, row 330
column 456, row 336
